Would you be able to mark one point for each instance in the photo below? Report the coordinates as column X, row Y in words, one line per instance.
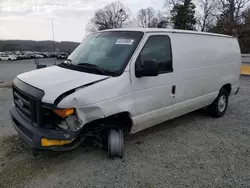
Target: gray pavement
column 245, row 58
column 194, row 150
column 10, row 69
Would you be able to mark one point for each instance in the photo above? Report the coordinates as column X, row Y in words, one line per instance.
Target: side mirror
column 150, row 68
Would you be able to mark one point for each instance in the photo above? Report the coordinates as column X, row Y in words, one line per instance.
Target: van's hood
column 55, row 80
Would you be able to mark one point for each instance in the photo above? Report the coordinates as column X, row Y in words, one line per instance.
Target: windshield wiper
column 87, row 64
column 101, row 70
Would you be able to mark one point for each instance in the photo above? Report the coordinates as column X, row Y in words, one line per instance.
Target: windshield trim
column 84, row 69
column 114, row 73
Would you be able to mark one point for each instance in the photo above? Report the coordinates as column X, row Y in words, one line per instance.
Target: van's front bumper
column 32, row 135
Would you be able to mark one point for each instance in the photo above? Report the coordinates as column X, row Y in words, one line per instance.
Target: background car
column 7, row 57
column 38, row 56
column 24, row 56
column 18, row 56
column 45, row 55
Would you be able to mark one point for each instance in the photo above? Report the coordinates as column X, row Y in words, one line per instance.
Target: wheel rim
column 222, row 103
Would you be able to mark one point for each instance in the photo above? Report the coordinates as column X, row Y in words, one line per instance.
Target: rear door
column 153, row 95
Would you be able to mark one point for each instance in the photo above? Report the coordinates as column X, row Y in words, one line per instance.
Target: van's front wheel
column 115, row 143
column 219, row 106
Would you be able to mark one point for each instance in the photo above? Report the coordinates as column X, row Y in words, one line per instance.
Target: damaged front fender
column 88, row 114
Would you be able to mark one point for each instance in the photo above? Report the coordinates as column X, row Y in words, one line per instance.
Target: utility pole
column 53, row 36
column 53, row 33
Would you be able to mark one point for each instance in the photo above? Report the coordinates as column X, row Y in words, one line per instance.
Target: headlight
column 64, row 112
column 69, row 121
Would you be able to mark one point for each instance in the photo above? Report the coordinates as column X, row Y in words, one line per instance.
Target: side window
column 158, row 49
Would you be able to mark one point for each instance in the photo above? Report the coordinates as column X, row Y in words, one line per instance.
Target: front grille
column 25, row 104
column 23, row 129
column 27, row 100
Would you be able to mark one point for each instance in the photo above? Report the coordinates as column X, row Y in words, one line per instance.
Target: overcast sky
column 31, row 19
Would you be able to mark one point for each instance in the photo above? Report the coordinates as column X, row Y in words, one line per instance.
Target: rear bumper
column 32, row 134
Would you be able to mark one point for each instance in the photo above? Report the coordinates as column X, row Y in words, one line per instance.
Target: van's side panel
column 203, row 64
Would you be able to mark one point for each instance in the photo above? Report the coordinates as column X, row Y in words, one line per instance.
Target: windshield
column 104, row 53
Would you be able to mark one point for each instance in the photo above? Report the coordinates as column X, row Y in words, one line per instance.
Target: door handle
column 173, row 90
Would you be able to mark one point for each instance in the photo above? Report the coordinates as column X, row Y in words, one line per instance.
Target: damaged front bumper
column 33, row 135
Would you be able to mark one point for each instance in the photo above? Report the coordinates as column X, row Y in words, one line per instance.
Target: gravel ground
column 5, row 104
column 194, row 150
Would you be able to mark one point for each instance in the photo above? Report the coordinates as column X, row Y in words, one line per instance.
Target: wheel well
column 121, row 120
column 227, row 87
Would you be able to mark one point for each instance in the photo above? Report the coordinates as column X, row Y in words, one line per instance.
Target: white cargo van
column 123, row 81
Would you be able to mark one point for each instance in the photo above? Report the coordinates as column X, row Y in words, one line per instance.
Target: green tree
column 183, row 15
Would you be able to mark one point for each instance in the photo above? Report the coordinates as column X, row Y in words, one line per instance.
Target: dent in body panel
column 106, row 108
column 65, row 94
column 117, row 105
column 108, row 89
column 102, row 99
column 88, row 114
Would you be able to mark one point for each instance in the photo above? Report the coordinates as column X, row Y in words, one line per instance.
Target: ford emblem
column 19, row 103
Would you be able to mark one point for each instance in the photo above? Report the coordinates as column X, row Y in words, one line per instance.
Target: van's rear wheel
column 219, row 106
column 115, row 143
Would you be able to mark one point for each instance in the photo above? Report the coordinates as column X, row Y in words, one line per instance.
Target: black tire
column 115, row 143
column 9, row 59
column 217, row 108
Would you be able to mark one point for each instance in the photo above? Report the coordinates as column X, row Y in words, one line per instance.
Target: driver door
column 153, row 95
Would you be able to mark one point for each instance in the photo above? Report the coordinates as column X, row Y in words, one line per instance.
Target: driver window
column 157, row 49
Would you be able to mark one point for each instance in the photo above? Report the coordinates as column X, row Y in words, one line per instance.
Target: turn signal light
column 64, row 112
column 47, row 142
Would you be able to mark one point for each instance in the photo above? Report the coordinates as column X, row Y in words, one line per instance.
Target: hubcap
column 222, row 103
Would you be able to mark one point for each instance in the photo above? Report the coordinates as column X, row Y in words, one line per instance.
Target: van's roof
column 155, row 30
